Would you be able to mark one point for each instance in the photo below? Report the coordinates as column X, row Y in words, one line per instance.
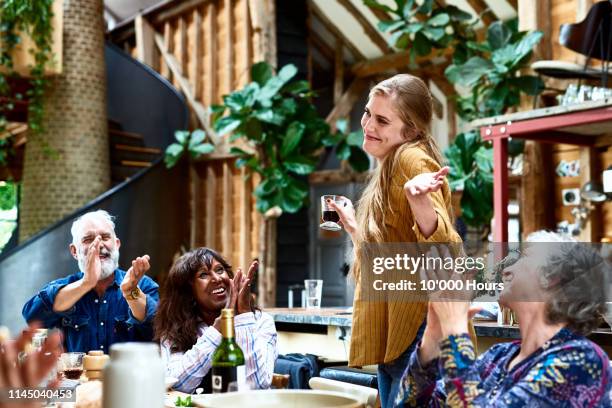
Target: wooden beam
column 338, row 71
column 483, row 10
column 211, row 23
column 199, row 109
column 248, row 45
column 211, row 216
column 346, row 102
column 228, row 211
column 179, row 8
column 535, row 15
column 245, row 219
column 198, row 54
column 393, row 61
column 182, row 46
column 145, row 42
column 229, row 43
column 331, row 27
column 371, row 31
column 168, row 41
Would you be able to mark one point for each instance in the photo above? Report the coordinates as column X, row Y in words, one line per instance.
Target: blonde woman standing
column 406, row 200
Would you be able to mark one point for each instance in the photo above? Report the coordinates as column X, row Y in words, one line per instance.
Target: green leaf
column 294, row 134
column 422, row 45
column 261, row 73
column 355, row 138
column 270, row 116
column 201, row 149
column 438, row 20
column 174, row 149
column 343, row 151
column 239, row 152
column 299, row 166
column 426, row 7
column 342, row 125
column 297, row 87
column 482, row 47
column 226, row 125
column 498, row 35
column 390, row 25
column 470, row 72
column 358, row 160
column 332, row 139
column 173, row 154
column 375, row 4
column 433, row 34
column 456, row 14
column 266, row 187
column 414, row 27
column 252, row 129
column 181, row 136
column 271, row 88
column 197, row 137
column 235, row 101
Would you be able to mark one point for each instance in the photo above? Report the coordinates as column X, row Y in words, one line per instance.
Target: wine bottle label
column 222, row 377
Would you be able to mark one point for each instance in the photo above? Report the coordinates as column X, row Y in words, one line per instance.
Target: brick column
column 75, row 124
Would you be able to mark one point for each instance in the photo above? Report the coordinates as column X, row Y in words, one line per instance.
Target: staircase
column 128, row 153
column 144, row 111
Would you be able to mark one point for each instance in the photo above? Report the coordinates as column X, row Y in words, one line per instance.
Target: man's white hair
column 548, row 236
column 77, row 225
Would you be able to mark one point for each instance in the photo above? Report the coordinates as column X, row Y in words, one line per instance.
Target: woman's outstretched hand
column 425, row 183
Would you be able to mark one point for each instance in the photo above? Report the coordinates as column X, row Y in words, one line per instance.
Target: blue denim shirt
column 94, row 323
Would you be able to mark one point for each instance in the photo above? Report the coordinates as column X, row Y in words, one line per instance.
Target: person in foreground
column 101, row 304
column 557, row 293
column 31, row 370
column 407, row 200
column 187, row 324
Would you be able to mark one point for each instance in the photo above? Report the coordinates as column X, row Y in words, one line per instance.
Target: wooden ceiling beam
column 331, row 27
column 393, row 61
column 483, row 10
column 371, row 31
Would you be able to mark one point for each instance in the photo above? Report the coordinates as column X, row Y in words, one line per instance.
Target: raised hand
column 93, row 265
column 243, row 304
column 425, row 183
column 33, row 369
column 139, row 267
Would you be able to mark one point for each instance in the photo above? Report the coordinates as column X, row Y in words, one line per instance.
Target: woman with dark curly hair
column 557, row 290
column 187, row 322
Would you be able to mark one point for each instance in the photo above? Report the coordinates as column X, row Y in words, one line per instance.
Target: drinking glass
column 72, row 365
column 314, row 289
column 329, row 215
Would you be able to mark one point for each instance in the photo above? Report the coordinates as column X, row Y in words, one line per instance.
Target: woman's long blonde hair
column 413, row 104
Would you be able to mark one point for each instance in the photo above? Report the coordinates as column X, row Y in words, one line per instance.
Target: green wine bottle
column 228, row 359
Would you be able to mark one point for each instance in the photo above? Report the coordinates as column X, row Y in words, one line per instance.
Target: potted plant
column 489, row 71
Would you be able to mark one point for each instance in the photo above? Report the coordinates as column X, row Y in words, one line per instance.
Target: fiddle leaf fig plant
column 493, row 74
column 282, row 135
column 490, row 72
column 191, row 143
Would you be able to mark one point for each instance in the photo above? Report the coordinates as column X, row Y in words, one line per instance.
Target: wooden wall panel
column 214, row 44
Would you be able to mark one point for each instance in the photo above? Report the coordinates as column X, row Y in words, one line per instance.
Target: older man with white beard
column 101, row 304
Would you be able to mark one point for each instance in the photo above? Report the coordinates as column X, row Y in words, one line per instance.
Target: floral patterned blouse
column 567, row 371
